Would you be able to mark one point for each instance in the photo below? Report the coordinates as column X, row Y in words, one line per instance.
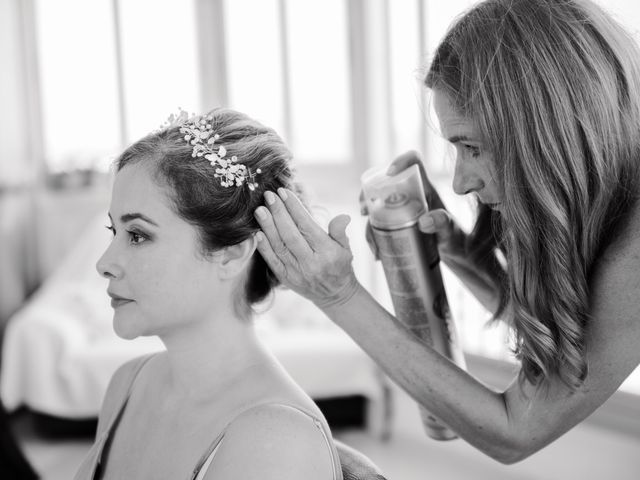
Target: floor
column 585, row 453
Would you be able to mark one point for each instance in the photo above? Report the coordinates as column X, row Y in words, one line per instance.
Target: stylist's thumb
column 338, row 229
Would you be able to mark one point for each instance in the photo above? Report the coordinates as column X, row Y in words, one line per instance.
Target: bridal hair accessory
column 198, row 132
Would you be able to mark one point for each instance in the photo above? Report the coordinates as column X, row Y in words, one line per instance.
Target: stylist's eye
column 473, row 150
column 111, row 229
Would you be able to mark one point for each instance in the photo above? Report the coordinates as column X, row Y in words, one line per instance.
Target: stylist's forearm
column 472, row 410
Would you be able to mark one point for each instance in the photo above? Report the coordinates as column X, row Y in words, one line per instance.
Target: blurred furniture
column 356, row 465
column 60, row 350
column 18, row 268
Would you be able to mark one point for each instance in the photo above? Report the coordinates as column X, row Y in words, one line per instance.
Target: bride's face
column 159, row 280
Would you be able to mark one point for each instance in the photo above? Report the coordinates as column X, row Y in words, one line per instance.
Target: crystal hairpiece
column 198, row 132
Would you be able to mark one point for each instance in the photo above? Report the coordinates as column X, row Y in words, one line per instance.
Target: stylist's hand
column 303, row 256
column 437, row 221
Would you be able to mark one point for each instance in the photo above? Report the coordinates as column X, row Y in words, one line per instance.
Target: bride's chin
column 125, row 329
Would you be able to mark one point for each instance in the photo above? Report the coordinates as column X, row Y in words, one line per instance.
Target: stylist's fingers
column 276, row 244
column 437, row 222
column 338, row 229
column 272, row 259
column 404, row 161
column 368, row 235
column 314, row 236
column 286, row 228
column 363, row 205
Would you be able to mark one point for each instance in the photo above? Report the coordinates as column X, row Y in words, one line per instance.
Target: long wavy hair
column 554, row 88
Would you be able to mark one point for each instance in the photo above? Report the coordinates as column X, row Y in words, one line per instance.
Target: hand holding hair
column 304, row 257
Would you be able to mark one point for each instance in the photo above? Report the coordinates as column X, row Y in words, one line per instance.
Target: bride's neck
column 211, row 356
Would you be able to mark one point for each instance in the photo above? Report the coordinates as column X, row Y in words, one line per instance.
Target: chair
column 13, row 463
column 356, row 465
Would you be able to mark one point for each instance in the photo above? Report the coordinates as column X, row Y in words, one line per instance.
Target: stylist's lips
column 492, row 206
column 117, row 300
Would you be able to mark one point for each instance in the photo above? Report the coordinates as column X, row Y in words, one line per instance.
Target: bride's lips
column 117, row 300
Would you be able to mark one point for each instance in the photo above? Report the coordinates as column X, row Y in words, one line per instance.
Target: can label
column 415, row 285
column 412, row 268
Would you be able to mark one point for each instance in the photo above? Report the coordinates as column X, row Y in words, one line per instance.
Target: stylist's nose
column 107, row 266
column 465, row 179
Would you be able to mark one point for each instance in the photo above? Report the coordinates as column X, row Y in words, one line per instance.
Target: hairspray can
column 412, row 267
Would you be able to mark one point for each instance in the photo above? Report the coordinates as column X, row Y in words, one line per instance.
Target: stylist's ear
column 233, row 260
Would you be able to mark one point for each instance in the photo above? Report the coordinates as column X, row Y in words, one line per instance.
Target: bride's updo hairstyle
column 223, row 215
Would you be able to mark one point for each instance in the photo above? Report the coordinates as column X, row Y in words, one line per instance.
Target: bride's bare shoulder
column 281, row 441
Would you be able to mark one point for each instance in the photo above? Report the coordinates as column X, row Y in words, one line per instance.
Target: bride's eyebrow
column 127, row 217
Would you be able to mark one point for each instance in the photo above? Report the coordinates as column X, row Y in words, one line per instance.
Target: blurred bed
column 59, row 350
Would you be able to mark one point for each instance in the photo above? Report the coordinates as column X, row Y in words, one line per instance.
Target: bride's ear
column 233, row 260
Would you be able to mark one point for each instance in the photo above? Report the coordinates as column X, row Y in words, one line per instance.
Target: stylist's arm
column 508, row 426
column 318, row 266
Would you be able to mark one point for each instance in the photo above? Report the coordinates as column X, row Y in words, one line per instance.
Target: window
column 103, row 83
column 338, row 79
column 78, row 83
column 158, row 62
column 256, row 61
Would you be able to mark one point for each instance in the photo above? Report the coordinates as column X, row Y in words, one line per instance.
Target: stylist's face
column 474, row 171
